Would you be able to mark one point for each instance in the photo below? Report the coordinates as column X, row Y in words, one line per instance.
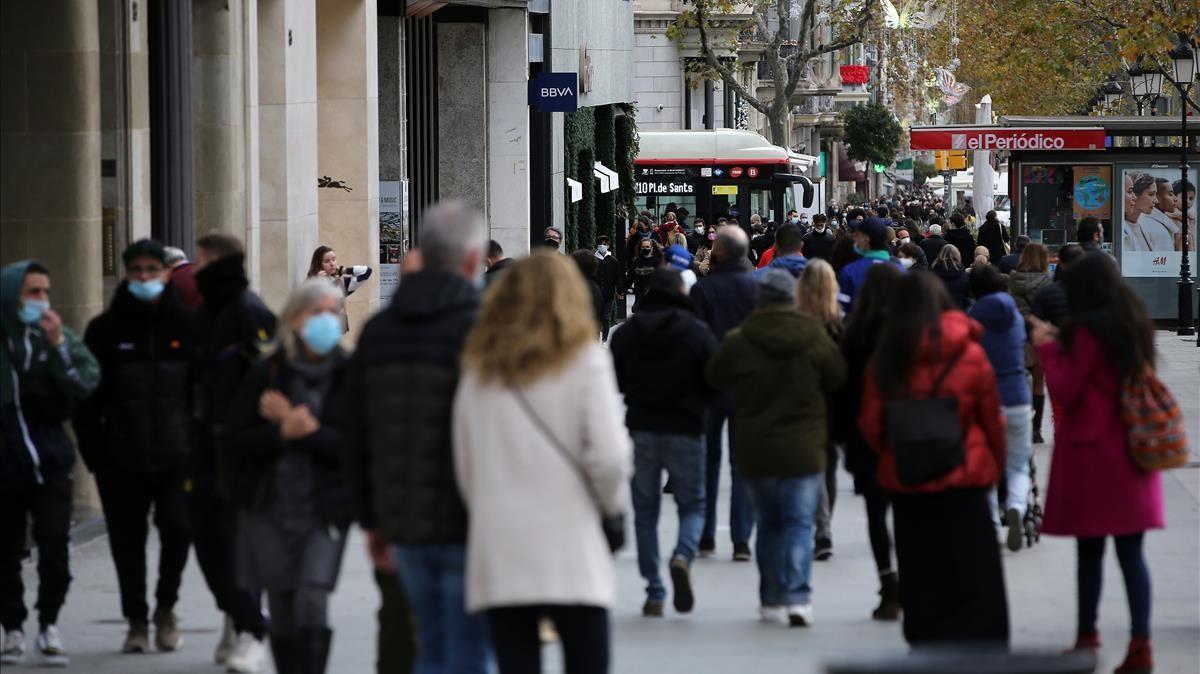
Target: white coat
column 534, row 534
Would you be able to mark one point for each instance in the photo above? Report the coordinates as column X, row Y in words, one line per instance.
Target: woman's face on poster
column 1147, row 200
column 1130, row 198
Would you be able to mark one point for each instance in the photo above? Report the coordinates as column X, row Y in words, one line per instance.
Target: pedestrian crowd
column 490, row 444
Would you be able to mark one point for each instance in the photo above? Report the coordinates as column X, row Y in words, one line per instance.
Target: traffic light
column 958, row 160
column 941, row 160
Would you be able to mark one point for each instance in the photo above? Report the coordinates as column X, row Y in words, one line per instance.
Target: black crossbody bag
column 925, row 434
column 613, row 526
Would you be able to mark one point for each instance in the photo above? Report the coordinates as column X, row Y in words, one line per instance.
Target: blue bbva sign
column 555, row 92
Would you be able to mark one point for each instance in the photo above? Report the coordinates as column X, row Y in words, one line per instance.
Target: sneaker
column 13, row 650
column 166, row 631
column 800, row 615
column 707, row 548
column 652, row 609
column 681, row 579
column 226, row 644
column 773, row 614
column 823, row 549
column 741, row 552
column 49, row 644
column 1016, row 529
column 137, row 640
column 248, row 656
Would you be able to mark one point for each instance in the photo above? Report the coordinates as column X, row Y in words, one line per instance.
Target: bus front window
column 762, row 204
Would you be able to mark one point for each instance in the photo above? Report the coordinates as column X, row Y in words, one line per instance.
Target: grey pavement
column 723, row 634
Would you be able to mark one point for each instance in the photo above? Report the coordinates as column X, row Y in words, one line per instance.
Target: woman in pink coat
column 1096, row 490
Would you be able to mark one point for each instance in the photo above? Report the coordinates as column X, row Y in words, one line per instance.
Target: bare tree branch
column 727, row 75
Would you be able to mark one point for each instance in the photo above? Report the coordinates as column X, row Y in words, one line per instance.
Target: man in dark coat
column 659, row 356
column 608, row 277
column 933, row 244
column 135, row 434
column 723, row 299
column 234, row 326
column 818, row 242
column 993, row 236
column 397, row 403
column 960, row 237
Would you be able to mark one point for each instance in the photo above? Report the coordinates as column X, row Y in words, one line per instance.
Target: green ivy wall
column 598, row 134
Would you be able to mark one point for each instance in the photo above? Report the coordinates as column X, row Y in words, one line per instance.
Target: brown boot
column 889, row 598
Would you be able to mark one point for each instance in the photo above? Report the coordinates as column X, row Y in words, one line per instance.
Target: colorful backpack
column 1154, row 423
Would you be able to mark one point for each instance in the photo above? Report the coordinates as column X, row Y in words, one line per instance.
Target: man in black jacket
column 818, row 242
column 135, row 434
column 659, row 356
column 608, row 277
column 397, row 404
column 723, row 299
column 1008, row 263
column 960, row 237
column 934, row 243
column 233, row 328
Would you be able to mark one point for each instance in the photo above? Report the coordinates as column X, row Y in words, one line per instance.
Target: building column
column 348, row 140
column 508, row 130
column 172, row 145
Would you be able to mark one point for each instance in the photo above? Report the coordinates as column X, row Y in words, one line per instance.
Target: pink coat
column 1095, row 488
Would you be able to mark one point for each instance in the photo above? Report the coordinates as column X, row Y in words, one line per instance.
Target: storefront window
column 1056, row 197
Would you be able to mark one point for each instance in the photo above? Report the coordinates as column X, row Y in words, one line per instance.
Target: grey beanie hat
column 775, row 286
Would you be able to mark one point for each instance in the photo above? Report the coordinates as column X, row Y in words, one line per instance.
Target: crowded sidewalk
column 723, row 633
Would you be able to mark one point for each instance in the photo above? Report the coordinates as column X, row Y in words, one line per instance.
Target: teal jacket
column 40, row 384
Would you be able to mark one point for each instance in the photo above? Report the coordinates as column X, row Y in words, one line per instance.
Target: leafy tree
column 922, row 171
column 872, row 133
column 791, row 33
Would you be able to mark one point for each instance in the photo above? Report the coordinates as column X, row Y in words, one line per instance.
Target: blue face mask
column 31, row 311
column 859, row 249
column 602, row 249
column 322, row 333
column 146, row 291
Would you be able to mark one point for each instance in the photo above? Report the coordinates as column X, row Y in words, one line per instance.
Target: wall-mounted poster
column 1092, row 191
column 391, row 237
column 1152, row 220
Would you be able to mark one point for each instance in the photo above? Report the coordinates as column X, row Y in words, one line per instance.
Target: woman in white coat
column 541, row 454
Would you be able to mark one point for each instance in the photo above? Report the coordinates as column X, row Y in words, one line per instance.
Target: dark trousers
column 49, row 505
column 951, row 581
column 214, row 523
column 127, row 498
column 397, row 629
column 878, row 501
column 1091, row 580
column 606, row 316
column 741, row 508
column 583, row 630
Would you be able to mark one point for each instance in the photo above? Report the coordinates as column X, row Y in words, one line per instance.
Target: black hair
column 1020, row 243
column 986, row 280
column 1087, row 229
column 958, row 220
column 871, row 308
column 36, row 268
column 494, row 249
column 788, row 239
column 882, row 211
column 914, row 315
column 1101, row 302
column 1182, row 186
column 586, row 261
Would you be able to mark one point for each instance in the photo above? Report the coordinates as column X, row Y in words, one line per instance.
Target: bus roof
column 715, row 146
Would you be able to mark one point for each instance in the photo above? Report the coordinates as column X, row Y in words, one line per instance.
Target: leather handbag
column 613, row 526
column 925, row 434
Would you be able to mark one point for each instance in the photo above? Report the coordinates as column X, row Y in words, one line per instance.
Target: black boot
column 313, row 649
column 283, row 652
column 1039, row 404
column 889, row 597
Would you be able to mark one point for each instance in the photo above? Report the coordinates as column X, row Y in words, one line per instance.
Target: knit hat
column 678, row 257
column 775, row 286
column 876, row 229
column 144, row 248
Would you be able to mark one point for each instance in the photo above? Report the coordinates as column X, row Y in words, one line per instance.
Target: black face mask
column 647, row 252
column 550, row 243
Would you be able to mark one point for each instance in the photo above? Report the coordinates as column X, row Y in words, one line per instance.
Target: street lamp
column 1184, row 71
column 1113, row 92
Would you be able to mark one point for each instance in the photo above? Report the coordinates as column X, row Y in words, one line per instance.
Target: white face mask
column 905, row 240
column 700, row 229
column 907, row 262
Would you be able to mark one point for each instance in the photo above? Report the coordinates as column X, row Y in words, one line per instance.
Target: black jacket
column 140, row 417
column 819, row 244
column 860, row 458
column 255, row 444
column 493, row 272
column 695, row 241
column 1050, row 303
column 932, row 245
column 608, row 277
column 964, row 242
column 233, row 329
column 640, row 271
column 957, row 283
column 993, row 237
column 397, row 407
column 1008, row 263
column 724, row 298
column 659, row 356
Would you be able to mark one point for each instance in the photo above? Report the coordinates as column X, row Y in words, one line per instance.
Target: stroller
column 1033, row 509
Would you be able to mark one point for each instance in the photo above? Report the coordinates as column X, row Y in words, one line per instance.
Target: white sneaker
column 227, row 642
column 800, row 615
column 773, row 614
column 249, row 655
column 13, row 651
column 49, row 644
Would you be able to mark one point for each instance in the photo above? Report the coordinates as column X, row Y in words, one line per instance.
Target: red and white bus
column 720, row 172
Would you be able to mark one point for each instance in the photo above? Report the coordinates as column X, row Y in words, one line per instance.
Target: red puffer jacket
column 972, row 381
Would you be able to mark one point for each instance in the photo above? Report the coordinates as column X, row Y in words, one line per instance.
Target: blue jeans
column 1018, row 433
column 741, row 508
column 682, row 456
column 451, row 640
column 786, row 509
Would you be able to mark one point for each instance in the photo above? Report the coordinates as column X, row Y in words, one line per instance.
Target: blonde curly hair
column 535, row 318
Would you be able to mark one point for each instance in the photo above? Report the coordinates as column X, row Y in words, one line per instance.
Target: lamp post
column 1183, row 72
column 1145, row 86
column 1113, row 91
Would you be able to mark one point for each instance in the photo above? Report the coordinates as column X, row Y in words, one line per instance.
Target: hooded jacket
column 40, row 384
column 660, row 355
column 1024, row 286
column 139, row 419
column 972, row 381
column 1004, row 341
column 781, row 364
column 396, row 411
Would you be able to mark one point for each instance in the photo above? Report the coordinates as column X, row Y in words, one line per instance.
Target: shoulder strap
column 937, row 384
column 558, row 446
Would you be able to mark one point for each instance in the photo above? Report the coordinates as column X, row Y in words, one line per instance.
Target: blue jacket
column 854, row 275
column 1004, row 341
column 793, row 264
column 723, row 300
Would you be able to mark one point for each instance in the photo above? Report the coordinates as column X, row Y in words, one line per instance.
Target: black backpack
column 925, row 434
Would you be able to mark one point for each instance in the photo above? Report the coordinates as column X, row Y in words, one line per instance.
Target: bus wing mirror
column 808, row 192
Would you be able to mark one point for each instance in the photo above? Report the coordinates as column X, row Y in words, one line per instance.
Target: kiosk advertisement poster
column 1151, row 220
column 391, row 236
